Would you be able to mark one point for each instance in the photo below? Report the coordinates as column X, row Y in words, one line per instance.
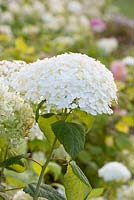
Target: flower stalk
column 2, row 170
column 43, row 170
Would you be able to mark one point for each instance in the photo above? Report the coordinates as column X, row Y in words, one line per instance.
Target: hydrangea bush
column 66, row 90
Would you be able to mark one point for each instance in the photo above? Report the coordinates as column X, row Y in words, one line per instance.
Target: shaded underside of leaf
column 45, row 191
column 71, row 135
column 14, row 163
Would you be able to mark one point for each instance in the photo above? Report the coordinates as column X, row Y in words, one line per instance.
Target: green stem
column 38, row 109
column 43, row 170
column 34, row 161
column 2, row 170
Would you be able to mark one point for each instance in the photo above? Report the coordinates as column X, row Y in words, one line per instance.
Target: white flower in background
column 107, row 45
column 35, row 132
column 56, row 6
column 64, row 40
column 14, row 7
column 126, row 192
column 129, row 60
column 38, row 7
column 68, row 81
column 98, row 198
column 114, row 171
column 75, row 7
column 16, row 116
column 21, row 195
column 6, row 17
column 27, row 9
column 30, row 29
column 77, row 24
column 5, row 29
column 52, row 22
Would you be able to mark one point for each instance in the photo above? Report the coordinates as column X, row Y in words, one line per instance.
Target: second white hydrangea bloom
column 114, row 171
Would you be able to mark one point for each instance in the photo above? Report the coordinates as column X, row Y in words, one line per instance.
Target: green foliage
column 95, row 193
column 71, row 135
column 14, row 163
column 45, row 126
column 76, row 184
column 78, row 172
column 46, row 191
column 12, row 160
column 84, row 118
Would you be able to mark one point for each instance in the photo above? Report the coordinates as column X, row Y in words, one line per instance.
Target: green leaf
column 75, row 185
column 54, row 169
column 78, row 172
column 38, row 110
column 85, row 118
column 47, row 115
column 95, row 193
column 14, row 163
column 71, row 135
column 46, row 191
column 45, row 126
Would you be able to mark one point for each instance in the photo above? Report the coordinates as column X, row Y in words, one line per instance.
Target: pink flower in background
column 119, row 70
column 120, row 111
column 97, row 25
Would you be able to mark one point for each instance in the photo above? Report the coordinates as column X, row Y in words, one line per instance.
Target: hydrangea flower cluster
column 107, row 45
column 7, row 68
column 54, row 14
column 129, row 60
column 16, row 116
column 68, row 81
column 114, row 171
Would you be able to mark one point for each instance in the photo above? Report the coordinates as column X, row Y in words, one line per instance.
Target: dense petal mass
column 16, row 116
column 9, row 67
column 68, row 81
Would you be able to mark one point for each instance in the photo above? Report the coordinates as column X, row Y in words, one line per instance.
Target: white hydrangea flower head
column 5, row 29
column 68, row 81
column 107, row 45
column 9, row 67
column 21, row 195
column 129, row 60
column 16, row 116
column 114, row 171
